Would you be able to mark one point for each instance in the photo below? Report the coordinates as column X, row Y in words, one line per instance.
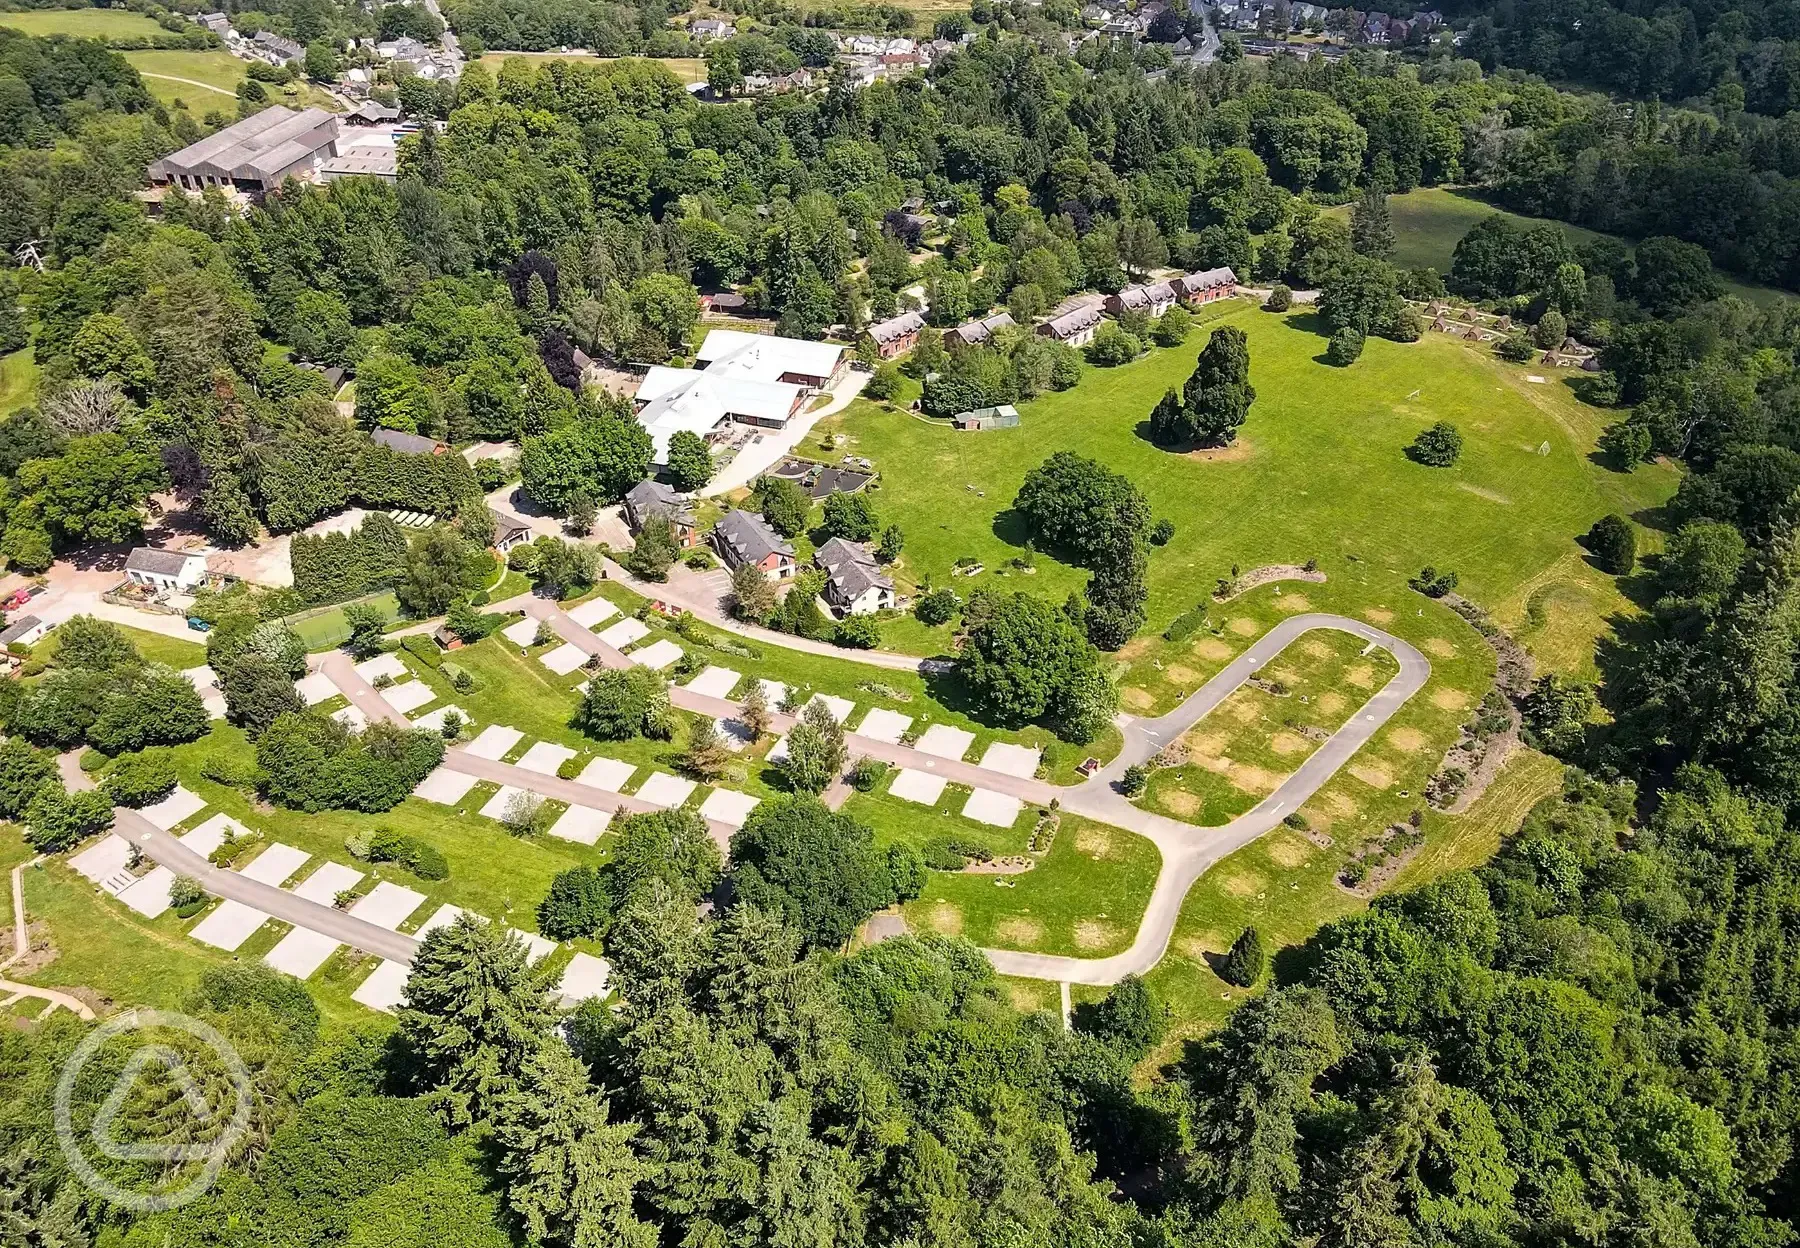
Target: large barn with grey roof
column 255, row 154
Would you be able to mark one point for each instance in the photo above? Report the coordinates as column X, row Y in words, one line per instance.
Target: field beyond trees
column 1430, row 221
column 102, row 24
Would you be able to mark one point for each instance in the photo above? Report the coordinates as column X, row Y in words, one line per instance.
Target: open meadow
column 102, row 24
column 1319, row 471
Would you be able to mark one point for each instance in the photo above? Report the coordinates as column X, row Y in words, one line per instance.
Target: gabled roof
column 647, row 497
column 408, row 443
column 18, row 628
column 160, row 562
column 749, row 537
column 507, row 525
column 1206, row 279
column 1146, row 296
column 260, row 145
column 851, row 569
column 884, row 332
column 373, row 111
column 978, row 331
column 676, row 399
column 1074, row 321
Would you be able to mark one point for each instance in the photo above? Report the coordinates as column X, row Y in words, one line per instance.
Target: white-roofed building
column 765, row 357
column 747, row 379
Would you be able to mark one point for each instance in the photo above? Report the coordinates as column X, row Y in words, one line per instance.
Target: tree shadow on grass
column 1144, row 434
column 1292, row 963
column 1310, row 323
column 1011, row 527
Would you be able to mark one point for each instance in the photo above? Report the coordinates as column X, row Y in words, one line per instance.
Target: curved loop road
column 1188, row 850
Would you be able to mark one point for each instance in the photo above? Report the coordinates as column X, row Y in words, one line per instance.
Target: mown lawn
column 1255, row 738
column 219, row 73
column 492, row 872
column 1085, row 897
column 83, row 23
column 1318, row 472
column 122, row 959
column 1430, row 221
column 157, row 648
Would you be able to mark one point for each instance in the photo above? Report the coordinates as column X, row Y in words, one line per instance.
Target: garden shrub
column 141, row 779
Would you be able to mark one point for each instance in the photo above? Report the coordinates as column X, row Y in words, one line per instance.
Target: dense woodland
column 1589, row 1041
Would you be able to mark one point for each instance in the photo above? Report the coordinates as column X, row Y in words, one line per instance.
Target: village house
column 406, row 443
column 509, row 531
column 1073, row 328
column 898, row 335
column 978, row 332
column 1152, row 300
column 778, row 84
column 653, row 498
column 218, row 23
column 742, row 538
column 277, row 49
column 711, row 28
column 1205, row 286
column 372, row 113
column 725, row 303
column 27, row 630
column 854, row 583
column 166, row 571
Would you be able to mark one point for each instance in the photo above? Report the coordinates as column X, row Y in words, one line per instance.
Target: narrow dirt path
column 188, row 82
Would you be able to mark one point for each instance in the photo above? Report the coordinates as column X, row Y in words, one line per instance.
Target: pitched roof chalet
column 407, row 443
column 160, row 562
column 750, row 538
column 850, row 568
column 884, row 332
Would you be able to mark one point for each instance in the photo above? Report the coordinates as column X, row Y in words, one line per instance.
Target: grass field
column 84, row 23
column 1257, row 737
column 1084, row 898
column 686, row 68
column 1318, row 472
column 208, row 80
column 18, row 380
column 175, row 651
column 1429, row 222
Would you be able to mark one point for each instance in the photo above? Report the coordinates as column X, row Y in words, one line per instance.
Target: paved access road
column 278, row 903
column 1188, row 851
column 954, row 770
